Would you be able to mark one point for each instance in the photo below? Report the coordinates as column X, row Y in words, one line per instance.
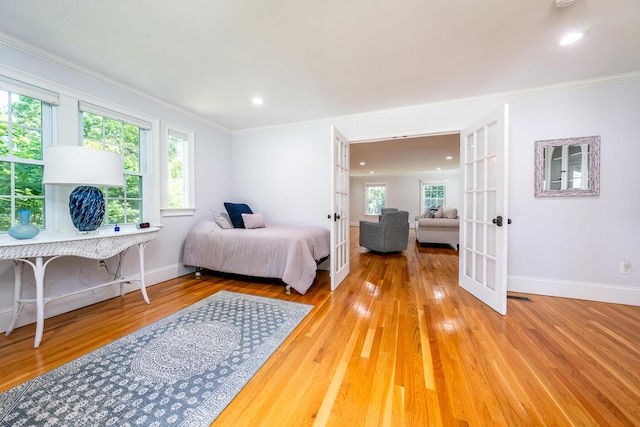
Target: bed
column 276, row 251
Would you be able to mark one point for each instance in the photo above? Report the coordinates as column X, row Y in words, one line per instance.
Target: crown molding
column 500, row 96
column 43, row 55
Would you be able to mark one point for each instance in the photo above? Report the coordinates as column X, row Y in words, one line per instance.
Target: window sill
column 178, row 211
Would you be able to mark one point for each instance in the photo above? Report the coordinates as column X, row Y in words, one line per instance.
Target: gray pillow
column 222, row 219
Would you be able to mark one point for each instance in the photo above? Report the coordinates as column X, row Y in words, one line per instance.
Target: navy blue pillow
column 235, row 211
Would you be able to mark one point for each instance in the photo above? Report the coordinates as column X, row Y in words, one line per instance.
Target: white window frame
column 50, row 101
column 433, row 181
column 367, row 185
column 188, row 208
column 148, row 162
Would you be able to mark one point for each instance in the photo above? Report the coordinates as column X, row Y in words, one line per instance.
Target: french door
column 340, row 208
column 484, row 219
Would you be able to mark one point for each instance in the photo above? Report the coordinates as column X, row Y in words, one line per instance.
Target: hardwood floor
column 398, row 344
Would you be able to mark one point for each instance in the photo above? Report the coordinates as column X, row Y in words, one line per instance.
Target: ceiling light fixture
column 571, row 38
column 257, row 100
column 449, row 157
column 370, row 171
column 362, row 163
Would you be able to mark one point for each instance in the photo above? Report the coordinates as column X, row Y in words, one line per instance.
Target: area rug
column 182, row 370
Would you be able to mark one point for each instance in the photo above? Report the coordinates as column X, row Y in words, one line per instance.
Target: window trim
column 189, row 208
column 48, row 114
column 29, row 90
column 148, row 157
column 366, row 200
column 433, row 181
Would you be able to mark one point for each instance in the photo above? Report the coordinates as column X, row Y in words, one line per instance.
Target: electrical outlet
column 101, row 265
column 625, row 267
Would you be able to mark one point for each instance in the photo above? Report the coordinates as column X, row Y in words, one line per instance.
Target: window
column 433, row 194
column 127, row 136
column 375, row 195
column 178, row 195
column 25, row 129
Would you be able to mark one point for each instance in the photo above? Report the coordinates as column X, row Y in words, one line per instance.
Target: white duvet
column 276, row 251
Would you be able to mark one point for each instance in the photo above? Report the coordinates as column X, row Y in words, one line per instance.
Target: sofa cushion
column 439, row 213
column 432, row 223
column 450, row 213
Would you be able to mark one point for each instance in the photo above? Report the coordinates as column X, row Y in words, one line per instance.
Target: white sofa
column 443, row 228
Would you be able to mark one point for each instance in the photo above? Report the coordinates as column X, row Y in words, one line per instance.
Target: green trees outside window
column 375, row 198
column 124, row 205
column 21, row 161
column 433, row 195
column 176, row 151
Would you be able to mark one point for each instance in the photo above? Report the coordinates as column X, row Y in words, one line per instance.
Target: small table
column 47, row 246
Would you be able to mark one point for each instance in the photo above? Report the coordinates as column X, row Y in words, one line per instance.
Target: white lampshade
column 78, row 165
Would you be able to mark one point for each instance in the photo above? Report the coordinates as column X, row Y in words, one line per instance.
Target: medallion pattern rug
column 182, row 370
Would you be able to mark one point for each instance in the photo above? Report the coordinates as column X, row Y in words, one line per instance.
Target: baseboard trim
column 577, row 290
column 91, row 296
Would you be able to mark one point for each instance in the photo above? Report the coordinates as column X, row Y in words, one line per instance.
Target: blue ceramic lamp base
column 86, row 206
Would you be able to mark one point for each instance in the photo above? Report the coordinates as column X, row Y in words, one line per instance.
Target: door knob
column 498, row 221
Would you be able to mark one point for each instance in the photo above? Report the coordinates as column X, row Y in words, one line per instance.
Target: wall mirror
column 568, row 167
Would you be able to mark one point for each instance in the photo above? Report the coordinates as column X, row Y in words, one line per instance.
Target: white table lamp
column 87, row 168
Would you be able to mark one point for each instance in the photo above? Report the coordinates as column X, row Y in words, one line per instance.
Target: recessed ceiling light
column 370, row 171
column 571, row 38
column 257, row 100
column 438, row 169
column 449, row 157
column 362, row 163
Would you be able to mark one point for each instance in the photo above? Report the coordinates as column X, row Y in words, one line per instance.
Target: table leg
column 38, row 272
column 143, row 286
column 18, row 267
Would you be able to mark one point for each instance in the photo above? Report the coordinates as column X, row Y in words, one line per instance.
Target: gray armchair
column 391, row 234
column 384, row 211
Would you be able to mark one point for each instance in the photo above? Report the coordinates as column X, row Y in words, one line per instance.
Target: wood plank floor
column 398, row 344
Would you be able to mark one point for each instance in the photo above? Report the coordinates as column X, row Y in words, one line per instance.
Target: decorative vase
column 24, row 229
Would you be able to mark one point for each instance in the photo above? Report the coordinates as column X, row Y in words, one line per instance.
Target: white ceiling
column 406, row 156
column 318, row 59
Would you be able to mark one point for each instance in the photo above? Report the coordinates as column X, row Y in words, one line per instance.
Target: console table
column 47, row 246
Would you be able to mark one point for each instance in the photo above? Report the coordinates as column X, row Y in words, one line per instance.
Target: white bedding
column 284, row 252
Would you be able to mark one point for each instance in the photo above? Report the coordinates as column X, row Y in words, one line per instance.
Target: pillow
column 450, row 213
column 222, row 219
column 253, row 220
column 235, row 211
column 439, row 213
column 427, row 214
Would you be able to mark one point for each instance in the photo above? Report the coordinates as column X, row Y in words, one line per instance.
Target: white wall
column 163, row 255
column 284, row 173
column 575, row 245
column 566, row 247
column 402, row 192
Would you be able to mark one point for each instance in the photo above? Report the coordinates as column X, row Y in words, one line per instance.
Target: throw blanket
column 284, row 252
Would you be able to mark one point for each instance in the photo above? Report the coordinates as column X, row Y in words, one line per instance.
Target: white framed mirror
column 568, row 167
